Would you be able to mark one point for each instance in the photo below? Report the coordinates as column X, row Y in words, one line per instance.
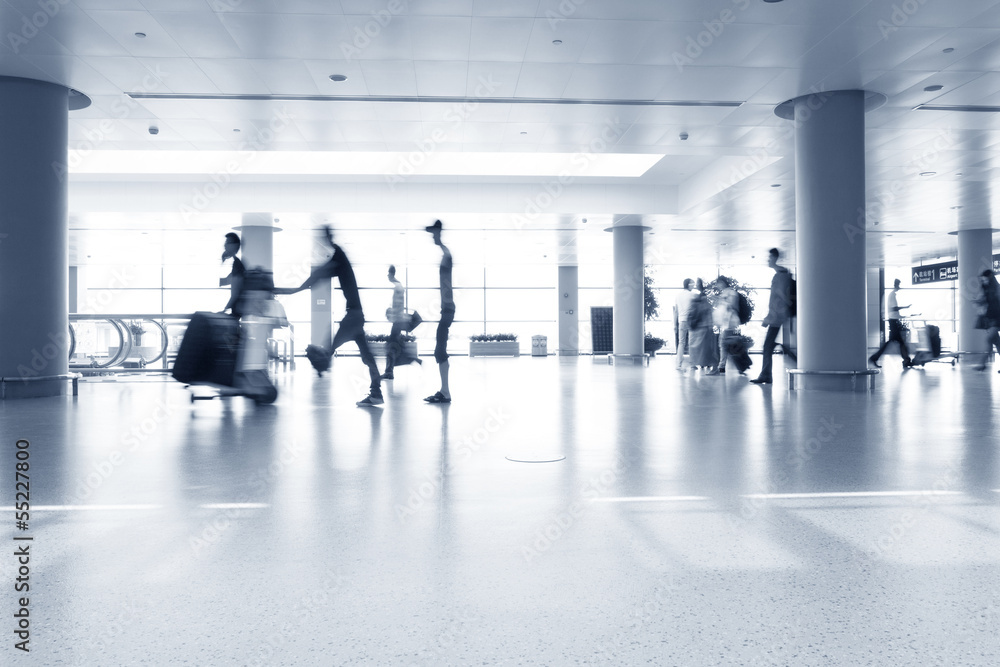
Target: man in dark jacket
column 777, row 312
column 235, row 277
column 352, row 327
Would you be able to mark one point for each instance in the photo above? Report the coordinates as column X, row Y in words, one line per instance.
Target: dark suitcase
column 319, row 357
column 934, row 338
column 207, row 354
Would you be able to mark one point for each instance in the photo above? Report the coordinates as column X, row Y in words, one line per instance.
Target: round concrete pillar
column 830, row 239
column 34, row 326
column 628, row 313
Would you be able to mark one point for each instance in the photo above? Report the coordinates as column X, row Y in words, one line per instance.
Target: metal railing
column 125, row 344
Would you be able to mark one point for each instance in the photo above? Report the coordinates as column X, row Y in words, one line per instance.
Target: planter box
column 379, row 349
column 504, row 348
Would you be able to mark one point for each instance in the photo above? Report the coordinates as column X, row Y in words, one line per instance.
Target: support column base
column 800, row 379
column 38, row 387
column 628, row 359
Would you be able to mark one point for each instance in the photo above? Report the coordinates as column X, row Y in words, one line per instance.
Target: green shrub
column 492, row 338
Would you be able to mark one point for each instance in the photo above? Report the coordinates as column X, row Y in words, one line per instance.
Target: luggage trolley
column 929, row 344
column 229, row 355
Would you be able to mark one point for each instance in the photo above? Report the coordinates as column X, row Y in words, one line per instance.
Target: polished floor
column 561, row 511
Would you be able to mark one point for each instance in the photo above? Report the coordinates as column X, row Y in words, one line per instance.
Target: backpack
column 745, row 309
column 792, row 299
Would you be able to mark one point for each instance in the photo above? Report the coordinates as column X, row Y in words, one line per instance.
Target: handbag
column 415, row 319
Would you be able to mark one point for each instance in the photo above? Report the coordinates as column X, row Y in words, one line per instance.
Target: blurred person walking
column 681, row 307
column 352, row 327
column 897, row 330
column 778, row 312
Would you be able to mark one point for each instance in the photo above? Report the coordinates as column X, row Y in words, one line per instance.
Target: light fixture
column 556, row 42
column 236, row 129
column 955, row 208
column 928, row 173
column 140, row 35
column 523, row 132
column 934, row 88
column 948, row 50
column 338, row 77
column 379, row 163
column 772, row 1
column 775, row 185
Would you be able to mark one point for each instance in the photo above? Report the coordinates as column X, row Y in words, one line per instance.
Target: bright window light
column 342, row 163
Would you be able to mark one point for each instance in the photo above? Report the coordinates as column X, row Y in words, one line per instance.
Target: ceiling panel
column 761, row 53
column 441, row 38
column 122, row 26
column 500, row 39
column 441, row 78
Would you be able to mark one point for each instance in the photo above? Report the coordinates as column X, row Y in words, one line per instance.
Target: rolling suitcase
column 207, row 354
column 319, row 357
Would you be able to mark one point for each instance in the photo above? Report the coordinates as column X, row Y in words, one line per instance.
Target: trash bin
column 539, row 346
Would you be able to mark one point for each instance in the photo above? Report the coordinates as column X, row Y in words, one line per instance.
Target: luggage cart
column 929, row 344
column 229, row 356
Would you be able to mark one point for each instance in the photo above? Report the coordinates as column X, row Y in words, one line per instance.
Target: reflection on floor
column 693, row 521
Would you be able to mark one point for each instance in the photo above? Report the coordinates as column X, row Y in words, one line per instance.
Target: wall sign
column 935, row 273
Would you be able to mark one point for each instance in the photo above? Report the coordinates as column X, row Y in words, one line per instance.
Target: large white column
column 830, row 239
column 34, row 327
column 257, row 240
column 569, row 310
column 628, row 292
column 975, row 254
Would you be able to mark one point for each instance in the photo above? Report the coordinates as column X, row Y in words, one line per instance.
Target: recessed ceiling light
column 140, row 35
column 338, row 77
column 775, row 185
column 772, row 0
column 523, row 132
column 948, row 50
column 557, row 42
column 955, row 208
column 928, row 173
column 935, row 87
column 236, row 129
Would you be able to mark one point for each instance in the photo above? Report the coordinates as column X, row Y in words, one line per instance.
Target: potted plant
column 493, row 345
column 651, row 344
column 379, row 344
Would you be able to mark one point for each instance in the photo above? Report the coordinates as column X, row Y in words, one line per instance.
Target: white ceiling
column 753, row 52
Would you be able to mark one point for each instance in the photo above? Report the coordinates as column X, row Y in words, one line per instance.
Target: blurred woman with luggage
column 989, row 319
column 704, row 349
